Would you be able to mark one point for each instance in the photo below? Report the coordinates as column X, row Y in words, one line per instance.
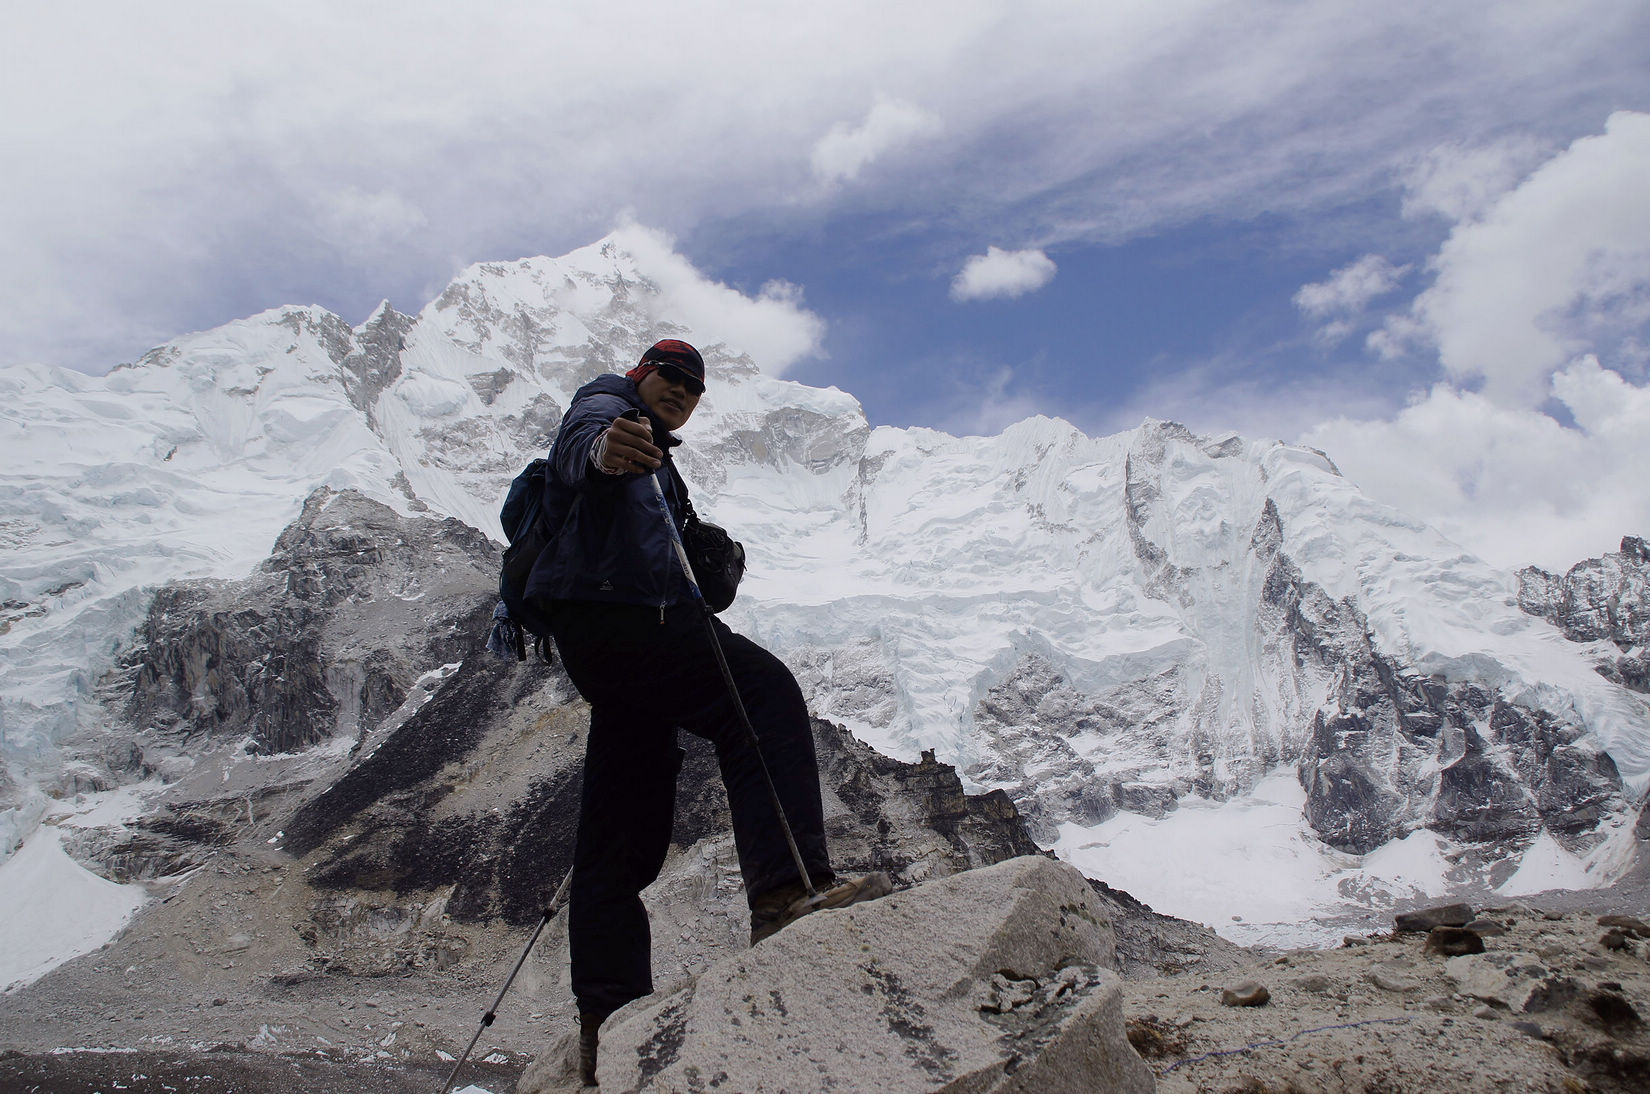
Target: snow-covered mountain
column 1166, row 647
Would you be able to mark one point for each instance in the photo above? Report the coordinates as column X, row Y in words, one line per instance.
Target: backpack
column 525, row 527
column 718, row 560
column 718, row 564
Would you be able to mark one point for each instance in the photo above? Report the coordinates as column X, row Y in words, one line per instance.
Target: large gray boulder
column 993, row 980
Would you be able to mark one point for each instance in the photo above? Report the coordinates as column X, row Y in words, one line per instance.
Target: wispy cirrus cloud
column 194, row 162
column 1459, row 182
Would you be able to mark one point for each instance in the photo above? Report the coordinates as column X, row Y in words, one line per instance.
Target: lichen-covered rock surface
column 992, row 980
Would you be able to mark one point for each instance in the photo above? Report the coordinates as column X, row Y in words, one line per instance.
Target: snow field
column 904, row 573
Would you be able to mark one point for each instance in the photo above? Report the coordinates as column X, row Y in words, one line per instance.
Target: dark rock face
column 1369, row 762
column 912, row 820
column 375, row 363
column 354, row 602
column 403, row 820
column 408, row 818
column 1380, row 750
column 1425, row 919
column 1600, row 600
column 228, row 671
column 1366, row 770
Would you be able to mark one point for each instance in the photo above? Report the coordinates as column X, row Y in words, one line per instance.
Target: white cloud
column 369, row 219
column 1536, row 282
column 774, row 327
column 1511, row 484
column 846, row 150
column 1459, row 183
column 1002, row 273
column 1345, row 295
column 1549, row 270
column 1225, row 394
column 983, row 406
column 174, row 153
column 1350, row 288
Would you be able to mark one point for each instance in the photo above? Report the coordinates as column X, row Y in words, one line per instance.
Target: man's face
column 665, row 391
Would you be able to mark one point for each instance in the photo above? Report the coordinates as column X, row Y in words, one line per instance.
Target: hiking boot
column 588, row 1025
column 777, row 910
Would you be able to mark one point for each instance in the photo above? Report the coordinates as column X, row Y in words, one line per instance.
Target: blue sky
column 1090, row 345
column 1413, row 234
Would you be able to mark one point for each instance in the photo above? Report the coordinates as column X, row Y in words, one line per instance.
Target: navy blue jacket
column 613, row 544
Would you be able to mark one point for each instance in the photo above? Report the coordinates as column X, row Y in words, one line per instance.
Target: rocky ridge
column 348, row 907
column 1095, row 625
column 1602, row 602
column 354, row 898
column 1510, row 998
column 1382, row 750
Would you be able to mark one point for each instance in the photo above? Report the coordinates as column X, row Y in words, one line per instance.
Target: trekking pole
column 733, row 689
column 492, row 1012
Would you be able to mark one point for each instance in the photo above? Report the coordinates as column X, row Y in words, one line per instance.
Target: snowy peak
column 1119, row 631
column 588, row 308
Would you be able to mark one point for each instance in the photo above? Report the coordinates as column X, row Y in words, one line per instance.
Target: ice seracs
column 1107, row 627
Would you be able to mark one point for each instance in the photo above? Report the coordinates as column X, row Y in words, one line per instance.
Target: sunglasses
column 674, row 375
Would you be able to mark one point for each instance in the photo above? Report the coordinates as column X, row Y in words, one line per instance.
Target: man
column 634, row 642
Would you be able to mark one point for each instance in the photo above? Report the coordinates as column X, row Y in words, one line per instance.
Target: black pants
column 644, row 677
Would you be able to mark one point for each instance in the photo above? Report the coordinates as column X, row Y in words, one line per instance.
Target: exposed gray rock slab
column 993, row 980
column 1600, row 600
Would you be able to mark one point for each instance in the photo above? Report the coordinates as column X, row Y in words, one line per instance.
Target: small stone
column 1317, row 983
column 1354, row 940
column 1247, row 994
column 1486, row 928
column 1453, row 941
column 1627, row 924
column 1438, row 1002
column 1552, row 917
column 1486, row 1012
column 1428, row 918
column 1446, row 915
column 1389, row 980
column 1552, row 994
column 1007, row 992
column 1614, row 939
column 220, row 1002
column 1611, row 1010
column 1529, row 1028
